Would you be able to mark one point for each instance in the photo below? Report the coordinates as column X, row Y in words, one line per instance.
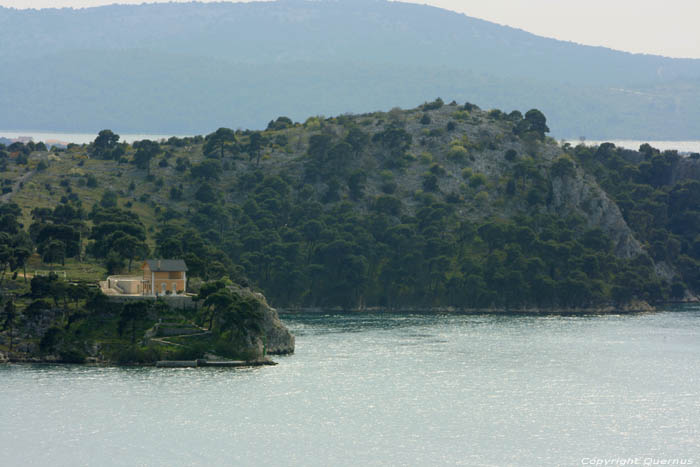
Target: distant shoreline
column 601, row 311
column 78, row 138
column 684, row 146
column 681, row 146
column 632, row 308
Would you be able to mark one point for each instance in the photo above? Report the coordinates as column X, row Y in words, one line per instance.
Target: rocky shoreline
column 631, row 308
column 19, row 358
column 269, row 337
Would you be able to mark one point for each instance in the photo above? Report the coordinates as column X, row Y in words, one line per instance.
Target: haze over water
column 76, row 138
column 86, row 138
column 383, row 389
column 680, row 146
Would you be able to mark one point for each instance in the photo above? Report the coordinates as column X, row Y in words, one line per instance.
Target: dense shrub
column 72, row 355
column 435, row 105
column 137, row 355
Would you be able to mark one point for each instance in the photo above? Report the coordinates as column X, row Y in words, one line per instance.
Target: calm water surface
column 382, row 389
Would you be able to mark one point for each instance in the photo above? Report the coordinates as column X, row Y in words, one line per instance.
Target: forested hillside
column 185, row 68
column 442, row 205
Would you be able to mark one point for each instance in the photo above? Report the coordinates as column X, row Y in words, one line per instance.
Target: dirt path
column 163, row 340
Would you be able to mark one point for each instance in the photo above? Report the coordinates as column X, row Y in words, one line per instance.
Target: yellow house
column 161, row 276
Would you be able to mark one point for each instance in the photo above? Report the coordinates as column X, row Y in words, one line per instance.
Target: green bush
column 430, row 182
column 435, row 105
column 387, row 205
column 91, row 181
column 438, row 170
column 461, row 115
column 426, row 158
column 72, row 355
column 563, row 167
column 477, row 180
column 52, row 337
column 389, row 187
column 233, row 350
column 189, row 352
column 457, row 153
column 481, row 198
column 496, row 114
column 453, row 198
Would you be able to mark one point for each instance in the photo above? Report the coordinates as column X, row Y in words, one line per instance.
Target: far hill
column 186, row 68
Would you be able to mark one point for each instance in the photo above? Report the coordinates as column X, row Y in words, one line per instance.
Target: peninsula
column 441, row 207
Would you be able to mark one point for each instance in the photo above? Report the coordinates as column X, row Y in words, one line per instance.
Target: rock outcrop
column 275, row 338
column 582, row 194
column 279, row 340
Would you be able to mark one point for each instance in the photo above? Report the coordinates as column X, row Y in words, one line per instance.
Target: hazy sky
column 668, row 27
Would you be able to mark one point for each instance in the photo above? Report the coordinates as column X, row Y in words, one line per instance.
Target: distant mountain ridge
column 181, row 68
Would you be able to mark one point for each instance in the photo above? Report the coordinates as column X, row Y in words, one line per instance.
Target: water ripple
column 382, row 389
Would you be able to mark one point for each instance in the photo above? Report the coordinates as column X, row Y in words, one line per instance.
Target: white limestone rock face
column 583, row 195
column 279, row 340
column 275, row 339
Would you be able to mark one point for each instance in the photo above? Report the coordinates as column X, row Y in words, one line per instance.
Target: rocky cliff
column 273, row 338
column 582, row 195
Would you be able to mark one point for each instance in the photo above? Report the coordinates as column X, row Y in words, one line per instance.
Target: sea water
column 383, row 389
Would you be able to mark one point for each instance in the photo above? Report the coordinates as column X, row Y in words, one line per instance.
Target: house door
column 164, row 286
column 174, row 288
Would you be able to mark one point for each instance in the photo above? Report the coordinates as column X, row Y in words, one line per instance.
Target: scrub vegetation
column 443, row 205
